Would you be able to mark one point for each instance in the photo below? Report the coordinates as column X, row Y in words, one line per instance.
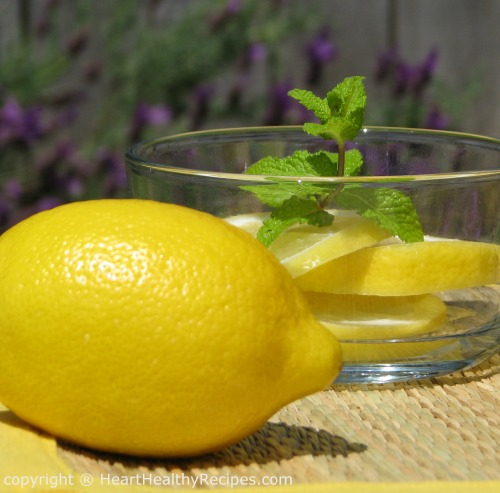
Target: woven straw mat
column 446, row 428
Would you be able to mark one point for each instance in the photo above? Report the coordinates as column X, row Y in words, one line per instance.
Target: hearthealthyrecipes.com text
column 142, row 479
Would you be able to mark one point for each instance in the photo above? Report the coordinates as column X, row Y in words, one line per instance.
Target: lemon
column 372, row 328
column 407, row 269
column 151, row 329
column 304, row 247
column 382, row 329
column 355, row 317
column 399, row 351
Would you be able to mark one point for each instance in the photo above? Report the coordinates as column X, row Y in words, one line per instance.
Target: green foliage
column 341, row 118
column 82, row 82
column 390, row 208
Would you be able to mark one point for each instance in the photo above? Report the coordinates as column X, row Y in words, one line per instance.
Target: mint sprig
column 341, row 115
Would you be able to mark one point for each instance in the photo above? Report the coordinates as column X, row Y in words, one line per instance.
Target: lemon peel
column 302, row 248
column 407, row 269
column 131, row 326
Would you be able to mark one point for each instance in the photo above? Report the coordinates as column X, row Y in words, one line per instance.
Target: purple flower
column 405, row 77
column 77, row 41
column 425, row 72
column 17, row 124
column 302, row 115
column 428, row 66
column 146, row 115
column 158, row 114
column 113, row 167
column 233, row 7
column 254, row 53
column 12, row 113
column 46, row 203
column 386, row 64
column 43, row 22
column 74, row 186
column 32, row 129
column 436, row 119
column 229, row 11
column 11, row 120
column 13, row 189
column 66, row 116
column 279, row 105
column 5, row 209
column 202, row 96
column 321, row 48
column 62, row 169
column 115, row 183
column 319, row 51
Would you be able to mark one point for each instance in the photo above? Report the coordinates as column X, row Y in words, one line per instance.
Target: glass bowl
column 453, row 180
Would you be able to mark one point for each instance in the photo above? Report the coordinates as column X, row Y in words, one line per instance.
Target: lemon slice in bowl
column 358, row 317
column 304, row 247
column 407, row 269
column 376, row 328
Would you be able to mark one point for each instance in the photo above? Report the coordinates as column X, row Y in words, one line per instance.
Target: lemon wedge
column 407, row 269
column 304, row 247
column 358, row 317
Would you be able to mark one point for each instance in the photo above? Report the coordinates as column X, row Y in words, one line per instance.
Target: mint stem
column 340, row 172
column 341, row 159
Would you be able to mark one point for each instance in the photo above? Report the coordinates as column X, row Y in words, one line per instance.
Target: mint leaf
column 353, row 162
column 296, row 164
column 293, row 211
column 342, row 118
column 312, row 102
column 271, row 228
column 346, row 103
column 275, row 194
column 300, row 163
column 347, row 100
column 390, row 208
column 304, row 163
column 324, row 163
column 339, row 129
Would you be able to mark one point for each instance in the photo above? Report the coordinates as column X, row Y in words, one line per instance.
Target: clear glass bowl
column 452, row 178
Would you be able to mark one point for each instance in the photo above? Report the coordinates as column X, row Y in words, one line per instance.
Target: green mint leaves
column 294, row 210
column 390, row 208
column 341, row 115
column 298, row 203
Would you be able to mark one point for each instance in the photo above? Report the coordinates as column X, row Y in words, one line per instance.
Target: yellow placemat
column 412, row 437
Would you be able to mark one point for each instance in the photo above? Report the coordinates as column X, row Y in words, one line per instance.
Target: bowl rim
column 132, row 158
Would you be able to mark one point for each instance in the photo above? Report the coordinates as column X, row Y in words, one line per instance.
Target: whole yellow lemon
column 144, row 328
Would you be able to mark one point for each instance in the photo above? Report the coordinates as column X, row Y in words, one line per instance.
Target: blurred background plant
column 73, row 98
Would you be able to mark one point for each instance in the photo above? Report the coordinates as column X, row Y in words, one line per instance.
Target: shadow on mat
column 281, row 441
column 271, row 443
